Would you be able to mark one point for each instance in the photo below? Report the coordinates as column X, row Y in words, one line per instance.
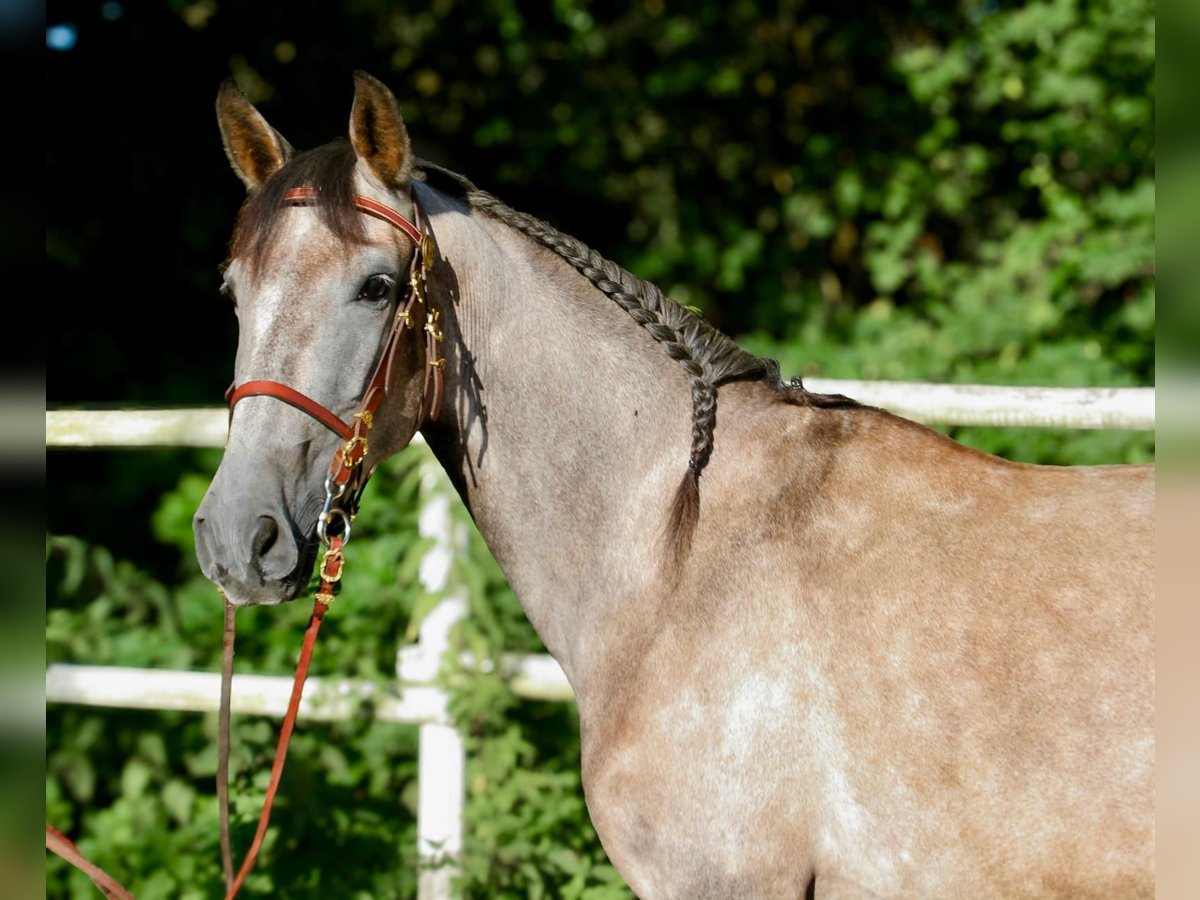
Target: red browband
column 366, row 204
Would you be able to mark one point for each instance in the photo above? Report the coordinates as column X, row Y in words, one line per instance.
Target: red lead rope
column 59, row 843
column 331, row 572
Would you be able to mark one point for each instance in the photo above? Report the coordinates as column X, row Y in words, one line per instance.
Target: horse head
column 325, row 273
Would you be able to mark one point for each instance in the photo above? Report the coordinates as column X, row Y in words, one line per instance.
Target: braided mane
column 709, row 357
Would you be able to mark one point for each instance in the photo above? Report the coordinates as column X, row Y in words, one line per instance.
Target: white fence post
column 442, row 757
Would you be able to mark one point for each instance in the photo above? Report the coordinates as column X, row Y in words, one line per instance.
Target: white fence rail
column 934, row 404
column 415, row 698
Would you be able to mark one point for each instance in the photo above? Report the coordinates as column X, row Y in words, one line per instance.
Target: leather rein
column 344, row 484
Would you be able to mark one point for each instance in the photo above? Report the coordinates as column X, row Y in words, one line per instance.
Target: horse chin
column 264, row 595
column 272, row 593
column 294, row 585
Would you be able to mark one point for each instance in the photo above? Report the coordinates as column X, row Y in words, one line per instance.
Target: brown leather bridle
column 412, row 312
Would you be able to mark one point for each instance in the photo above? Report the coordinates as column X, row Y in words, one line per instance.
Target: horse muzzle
column 254, row 552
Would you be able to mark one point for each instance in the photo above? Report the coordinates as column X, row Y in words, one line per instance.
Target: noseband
column 345, row 471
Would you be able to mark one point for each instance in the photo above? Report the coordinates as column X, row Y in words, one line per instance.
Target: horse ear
column 377, row 132
column 255, row 149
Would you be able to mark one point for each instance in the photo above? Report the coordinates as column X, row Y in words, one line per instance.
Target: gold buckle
column 349, row 449
column 331, row 557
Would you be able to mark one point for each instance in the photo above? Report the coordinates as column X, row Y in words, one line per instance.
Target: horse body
column 871, row 661
column 896, row 688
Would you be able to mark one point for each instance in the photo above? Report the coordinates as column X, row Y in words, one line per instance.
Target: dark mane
column 330, row 170
column 718, row 358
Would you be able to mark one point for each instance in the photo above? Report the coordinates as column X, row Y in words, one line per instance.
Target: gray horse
column 816, row 647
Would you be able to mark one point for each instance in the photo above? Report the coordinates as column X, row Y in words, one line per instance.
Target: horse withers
column 816, row 647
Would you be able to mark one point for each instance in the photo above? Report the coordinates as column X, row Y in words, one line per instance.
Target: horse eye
column 377, row 288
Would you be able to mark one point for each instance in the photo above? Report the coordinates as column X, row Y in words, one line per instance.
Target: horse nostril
column 265, row 536
column 273, row 555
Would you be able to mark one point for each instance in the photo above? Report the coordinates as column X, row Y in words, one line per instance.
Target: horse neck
column 565, row 428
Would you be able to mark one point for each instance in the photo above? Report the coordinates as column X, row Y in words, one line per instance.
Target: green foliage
column 944, row 192
column 1011, row 240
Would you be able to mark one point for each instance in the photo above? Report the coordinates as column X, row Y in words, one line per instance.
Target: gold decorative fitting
column 417, row 283
column 365, row 417
column 332, row 559
column 406, row 317
column 348, row 450
column 427, row 251
column 325, row 598
column 438, row 363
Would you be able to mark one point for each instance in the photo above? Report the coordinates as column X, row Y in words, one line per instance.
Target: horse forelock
column 329, row 170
